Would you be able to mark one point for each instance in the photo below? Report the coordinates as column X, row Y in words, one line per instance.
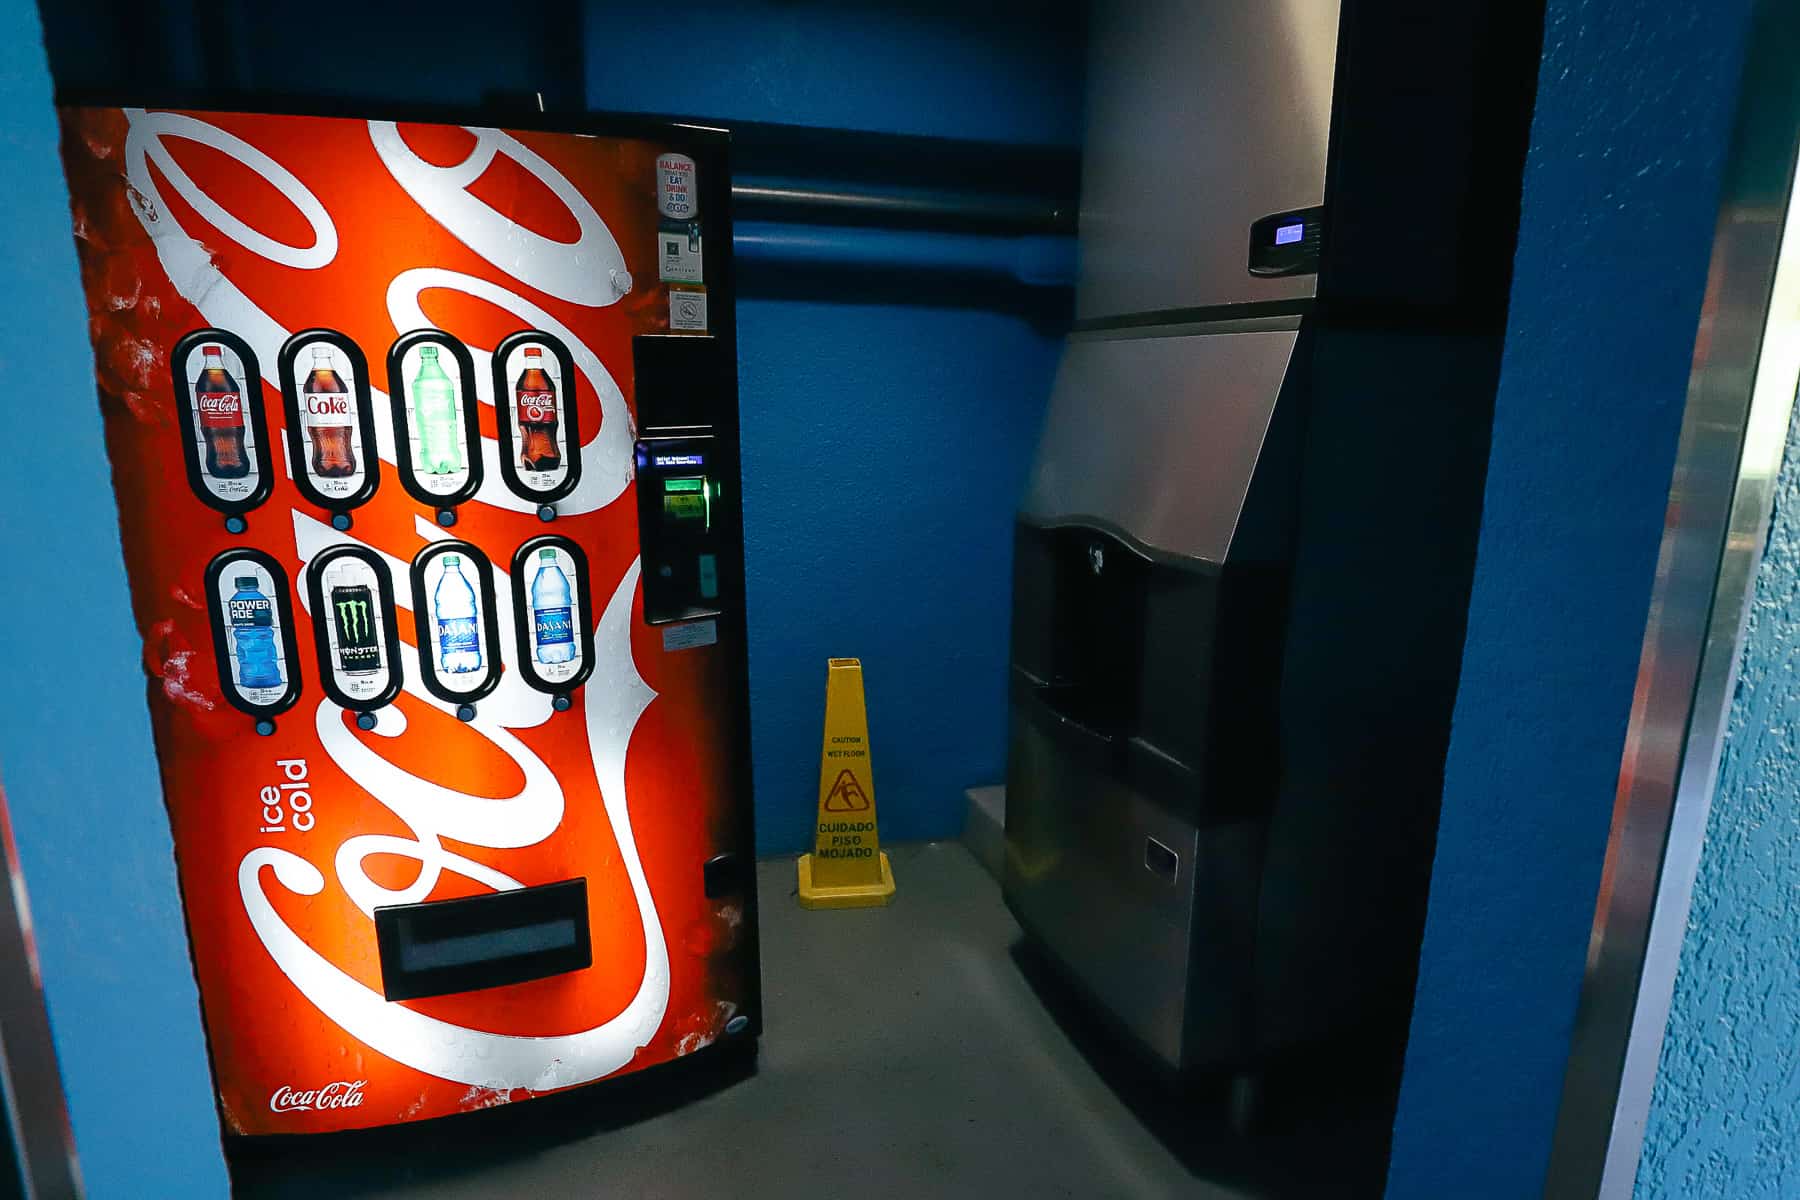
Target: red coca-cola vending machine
column 424, row 435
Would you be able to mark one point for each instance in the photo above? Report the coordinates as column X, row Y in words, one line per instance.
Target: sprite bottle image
column 552, row 621
column 252, row 619
column 453, row 605
column 435, row 416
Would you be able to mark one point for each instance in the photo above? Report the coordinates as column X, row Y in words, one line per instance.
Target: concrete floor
column 910, row 1051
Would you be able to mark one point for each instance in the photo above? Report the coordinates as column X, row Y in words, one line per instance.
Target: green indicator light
column 674, row 486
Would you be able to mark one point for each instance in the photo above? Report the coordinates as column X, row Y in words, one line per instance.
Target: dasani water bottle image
column 550, row 605
column 458, row 632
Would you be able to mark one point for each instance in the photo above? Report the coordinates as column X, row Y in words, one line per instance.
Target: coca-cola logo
column 343, row 1093
column 327, row 404
column 539, row 408
column 219, row 404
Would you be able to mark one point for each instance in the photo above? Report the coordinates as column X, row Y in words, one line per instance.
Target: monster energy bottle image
column 353, row 620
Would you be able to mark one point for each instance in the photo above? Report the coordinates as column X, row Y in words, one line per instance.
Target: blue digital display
column 1287, row 235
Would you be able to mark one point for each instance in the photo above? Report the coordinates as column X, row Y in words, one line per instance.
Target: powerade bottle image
column 551, row 619
column 434, row 413
column 453, row 604
column 252, row 619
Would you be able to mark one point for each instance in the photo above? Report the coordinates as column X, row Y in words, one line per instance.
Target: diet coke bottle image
column 534, row 395
column 330, row 418
column 220, row 403
column 330, row 427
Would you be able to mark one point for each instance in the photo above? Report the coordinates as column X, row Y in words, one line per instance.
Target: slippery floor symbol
column 846, row 794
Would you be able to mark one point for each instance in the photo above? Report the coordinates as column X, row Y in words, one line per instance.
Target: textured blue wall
column 885, row 444
column 1633, row 116
column 1725, row 1116
column 80, row 777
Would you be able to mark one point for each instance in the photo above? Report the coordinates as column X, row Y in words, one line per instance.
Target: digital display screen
column 1287, row 235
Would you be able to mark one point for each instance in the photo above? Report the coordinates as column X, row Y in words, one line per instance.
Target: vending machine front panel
column 450, row 803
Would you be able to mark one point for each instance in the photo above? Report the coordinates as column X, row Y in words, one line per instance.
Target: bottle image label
column 229, row 471
column 553, row 620
column 257, row 666
column 353, row 620
column 455, row 614
column 535, row 409
column 438, row 451
column 329, row 410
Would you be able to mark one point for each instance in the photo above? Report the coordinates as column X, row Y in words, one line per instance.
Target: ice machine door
column 1202, row 119
column 1157, row 438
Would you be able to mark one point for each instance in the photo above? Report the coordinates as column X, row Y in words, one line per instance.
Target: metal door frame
column 31, row 1092
column 1740, row 397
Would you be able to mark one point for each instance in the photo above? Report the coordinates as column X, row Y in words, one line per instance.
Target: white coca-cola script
column 345, row 1093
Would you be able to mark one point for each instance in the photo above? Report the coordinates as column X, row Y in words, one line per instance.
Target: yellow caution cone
column 846, row 868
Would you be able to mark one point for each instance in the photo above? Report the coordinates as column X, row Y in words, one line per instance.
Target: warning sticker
column 846, row 794
column 687, row 309
column 690, row 635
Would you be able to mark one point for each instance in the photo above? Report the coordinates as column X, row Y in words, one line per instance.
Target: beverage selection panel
column 331, row 438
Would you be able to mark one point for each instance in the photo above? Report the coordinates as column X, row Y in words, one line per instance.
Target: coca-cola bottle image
column 329, row 412
column 534, row 396
column 221, row 405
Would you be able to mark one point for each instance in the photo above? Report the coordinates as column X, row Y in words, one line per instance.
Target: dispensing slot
column 442, row 947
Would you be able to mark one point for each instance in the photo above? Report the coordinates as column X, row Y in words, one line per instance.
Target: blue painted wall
column 1621, row 187
column 80, row 777
column 885, row 444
